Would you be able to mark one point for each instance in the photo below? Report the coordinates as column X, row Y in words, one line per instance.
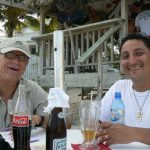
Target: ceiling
column 35, row 5
column 69, row 11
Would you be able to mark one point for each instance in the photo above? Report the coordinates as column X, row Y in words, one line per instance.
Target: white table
column 40, row 139
column 75, row 137
column 37, row 138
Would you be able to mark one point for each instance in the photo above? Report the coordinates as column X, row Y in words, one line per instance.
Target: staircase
column 90, row 51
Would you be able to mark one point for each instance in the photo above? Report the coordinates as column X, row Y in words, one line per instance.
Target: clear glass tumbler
column 89, row 112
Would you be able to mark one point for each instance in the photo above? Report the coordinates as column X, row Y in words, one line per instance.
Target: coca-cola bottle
column 56, row 130
column 21, row 123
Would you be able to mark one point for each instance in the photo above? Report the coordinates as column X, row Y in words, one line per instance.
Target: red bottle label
column 20, row 121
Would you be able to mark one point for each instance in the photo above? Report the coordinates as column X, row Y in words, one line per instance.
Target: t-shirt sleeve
column 39, row 100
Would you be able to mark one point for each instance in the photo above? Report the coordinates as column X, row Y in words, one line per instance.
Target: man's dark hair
column 146, row 6
column 136, row 36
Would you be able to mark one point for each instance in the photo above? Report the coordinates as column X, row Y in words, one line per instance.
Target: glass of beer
column 89, row 112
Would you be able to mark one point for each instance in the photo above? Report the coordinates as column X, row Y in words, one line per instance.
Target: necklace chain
column 140, row 113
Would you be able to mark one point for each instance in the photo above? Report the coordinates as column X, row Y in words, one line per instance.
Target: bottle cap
column 118, row 94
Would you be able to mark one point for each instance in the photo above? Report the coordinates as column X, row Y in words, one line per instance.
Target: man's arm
column 121, row 134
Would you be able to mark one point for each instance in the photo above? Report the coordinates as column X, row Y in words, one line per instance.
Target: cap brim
column 9, row 49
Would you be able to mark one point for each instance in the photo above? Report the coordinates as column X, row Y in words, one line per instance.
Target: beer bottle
column 56, row 130
column 21, row 123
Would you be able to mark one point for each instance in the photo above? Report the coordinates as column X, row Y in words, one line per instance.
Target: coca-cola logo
column 20, row 121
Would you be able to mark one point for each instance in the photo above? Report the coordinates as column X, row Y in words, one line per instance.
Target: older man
column 14, row 57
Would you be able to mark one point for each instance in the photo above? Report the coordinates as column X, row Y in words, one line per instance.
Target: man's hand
column 36, row 120
column 115, row 133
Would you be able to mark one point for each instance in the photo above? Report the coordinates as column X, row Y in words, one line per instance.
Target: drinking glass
column 89, row 112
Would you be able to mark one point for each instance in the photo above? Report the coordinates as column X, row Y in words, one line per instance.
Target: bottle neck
column 22, row 105
column 118, row 98
column 22, row 95
column 57, row 109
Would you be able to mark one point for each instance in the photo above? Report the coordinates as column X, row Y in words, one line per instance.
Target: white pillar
column 59, row 59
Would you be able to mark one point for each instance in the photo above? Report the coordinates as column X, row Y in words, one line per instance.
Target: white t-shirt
column 143, row 21
column 131, row 106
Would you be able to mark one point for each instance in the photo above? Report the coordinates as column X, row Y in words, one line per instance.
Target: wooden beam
column 81, row 80
column 105, row 23
column 97, row 44
column 124, row 15
column 71, row 80
column 17, row 5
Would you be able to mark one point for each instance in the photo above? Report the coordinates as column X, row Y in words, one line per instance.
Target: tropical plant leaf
column 32, row 22
column 16, row 19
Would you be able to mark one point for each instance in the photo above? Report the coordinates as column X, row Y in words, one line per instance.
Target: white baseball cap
column 14, row 45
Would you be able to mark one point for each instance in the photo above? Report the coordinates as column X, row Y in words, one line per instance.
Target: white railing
column 87, row 50
column 83, row 41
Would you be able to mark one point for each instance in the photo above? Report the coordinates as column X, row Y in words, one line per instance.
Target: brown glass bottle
column 56, row 131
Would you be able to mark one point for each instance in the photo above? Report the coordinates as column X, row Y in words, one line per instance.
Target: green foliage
column 52, row 26
column 32, row 22
column 16, row 19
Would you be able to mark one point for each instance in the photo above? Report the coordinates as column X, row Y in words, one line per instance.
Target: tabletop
column 37, row 141
column 74, row 136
